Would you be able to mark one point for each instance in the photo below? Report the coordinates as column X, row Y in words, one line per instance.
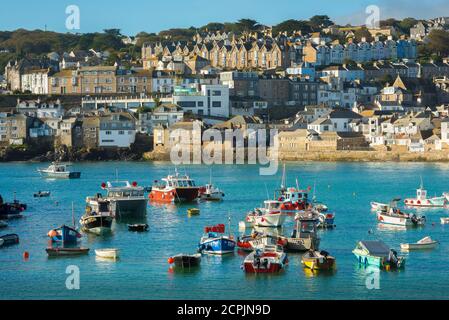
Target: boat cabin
column 373, row 248
column 272, row 205
column 421, row 194
column 124, row 189
column 294, row 195
column 304, row 227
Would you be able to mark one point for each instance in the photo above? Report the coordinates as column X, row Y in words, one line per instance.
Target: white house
column 35, row 81
column 203, row 99
column 166, row 115
column 162, row 82
column 117, row 130
column 338, row 120
column 41, row 110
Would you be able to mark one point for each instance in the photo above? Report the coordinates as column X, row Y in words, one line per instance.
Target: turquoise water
column 143, row 272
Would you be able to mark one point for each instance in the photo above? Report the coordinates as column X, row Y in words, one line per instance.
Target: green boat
column 377, row 253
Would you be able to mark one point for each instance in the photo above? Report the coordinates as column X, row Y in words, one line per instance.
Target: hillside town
column 340, row 89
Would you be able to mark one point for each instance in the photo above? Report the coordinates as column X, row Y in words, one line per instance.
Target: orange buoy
column 171, row 260
column 26, row 255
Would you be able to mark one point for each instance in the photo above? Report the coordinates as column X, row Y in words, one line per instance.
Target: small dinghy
column 138, row 227
column 185, row 260
column 3, row 224
column 42, row 194
column 9, row 240
column 423, row 244
column 318, row 260
column 444, row 220
column 107, row 253
column 193, row 211
column 60, row 252
column 64, row 234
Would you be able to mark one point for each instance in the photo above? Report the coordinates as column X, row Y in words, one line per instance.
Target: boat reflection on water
column 309, row 273
column 390, row 227
column 166, row 207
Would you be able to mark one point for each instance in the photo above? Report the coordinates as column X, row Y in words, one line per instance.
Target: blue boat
column 215, row 242
column 64, row 234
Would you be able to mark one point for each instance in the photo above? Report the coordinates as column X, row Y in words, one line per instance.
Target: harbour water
column 142, row 272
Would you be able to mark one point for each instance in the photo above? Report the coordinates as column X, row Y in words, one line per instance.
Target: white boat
column 378, row 206
column 107, row 253
column 269, row 216
column 423, row 244
column 59, row 170
column 211, row 193
column 126, row 199
column 98, row 216
column 392, row 215
column 444, row 220
column 421, row 200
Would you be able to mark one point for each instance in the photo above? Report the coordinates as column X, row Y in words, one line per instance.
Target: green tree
column 292, row 25
column 363, row 33
column 319, row 22
column 247, row 25
column 438, row 43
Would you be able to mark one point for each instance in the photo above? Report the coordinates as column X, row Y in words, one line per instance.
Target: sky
column 134, row 16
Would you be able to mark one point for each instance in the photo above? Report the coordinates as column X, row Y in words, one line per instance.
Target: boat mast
column 283, row 182
column 73, row 216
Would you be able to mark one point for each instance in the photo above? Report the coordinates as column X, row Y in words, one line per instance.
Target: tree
column 213, row 27
column 113, row 32
column 363, row 33
column 247, row 25
column 292, row 25
column 438, row 42
column 319, row 22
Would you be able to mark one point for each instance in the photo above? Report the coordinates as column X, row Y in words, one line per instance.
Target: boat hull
column 66, row 235
column 397, row 221
column 59, row 252
column 319, row 264
column 418, row 246
column 438, row 202
column 187, row 261
column 9, row 240
column 219, row 245
column 302, row 244
column 60, row 175
column 126, row 208
column 272, row 220
column 107, row 253
column 174, row 195
column 97, row 224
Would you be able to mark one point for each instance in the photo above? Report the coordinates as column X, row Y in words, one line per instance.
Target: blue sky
column 133, row 16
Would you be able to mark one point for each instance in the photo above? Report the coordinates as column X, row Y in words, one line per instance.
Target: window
column 216, row 93
column 200, row 104
column 121, row 132
column 216, row 104
column 108, row 133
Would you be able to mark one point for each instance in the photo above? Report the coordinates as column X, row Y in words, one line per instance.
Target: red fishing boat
column 270, row 259
column 175, row 188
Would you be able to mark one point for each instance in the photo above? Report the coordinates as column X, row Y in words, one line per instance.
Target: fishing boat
column 375, row 206
column 8, row 240
column 59, row 170
column 64, row 234
column 138, row 227
column 126, row 199
column 214, row 241
column 11, row 210
column 423, row 244
column 421, row 199
column 268, row 216
column 98, row 216
column 193, row 211
column 270, row 259
column 107, row 253
column 174, row 188
column 293, row 198
column 318, row 260
column 394, row 216
column 257, row 241
column 377, row 253
column 211, row 193
column 326, row 220
column 185, row 261
column 42, row 194
column 304, row 236
column 60, row 252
